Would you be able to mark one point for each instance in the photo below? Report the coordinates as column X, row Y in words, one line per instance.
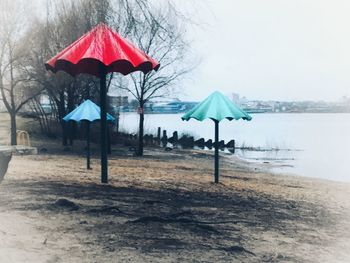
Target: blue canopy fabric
column 216, row 107
column 87, row 111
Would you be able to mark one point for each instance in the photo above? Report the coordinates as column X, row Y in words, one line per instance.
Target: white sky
column 271, row 49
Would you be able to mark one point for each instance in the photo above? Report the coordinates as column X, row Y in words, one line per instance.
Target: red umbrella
column 99, row 52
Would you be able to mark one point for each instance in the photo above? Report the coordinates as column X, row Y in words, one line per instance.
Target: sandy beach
column 164, row 208
column 163, row 90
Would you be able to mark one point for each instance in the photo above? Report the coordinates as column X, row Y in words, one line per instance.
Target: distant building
column 118, row 104
column 235, row 98
column 256, row 106
column 118, row 101
column 173, row 106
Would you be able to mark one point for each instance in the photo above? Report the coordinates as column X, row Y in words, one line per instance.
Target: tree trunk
column 5, row 158
column 61, row 114
column 142, row 118
column 72, row 132
column 64, row 133
column 13, row 128
column 70, row 107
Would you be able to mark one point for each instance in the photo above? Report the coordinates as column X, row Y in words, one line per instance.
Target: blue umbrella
column 87, row 111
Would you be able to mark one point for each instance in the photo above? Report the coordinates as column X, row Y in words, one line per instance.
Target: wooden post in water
column 164, row 138
column 158, row 135
column 231, row 146
column 175, row 136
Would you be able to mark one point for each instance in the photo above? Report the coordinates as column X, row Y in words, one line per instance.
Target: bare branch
column 20, row 105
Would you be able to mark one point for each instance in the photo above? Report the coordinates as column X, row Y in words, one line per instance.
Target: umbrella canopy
column 101, row 47
column 216, row 107
column 99, row 52
column 87, row 111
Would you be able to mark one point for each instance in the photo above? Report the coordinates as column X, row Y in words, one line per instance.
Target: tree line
column 28, row 41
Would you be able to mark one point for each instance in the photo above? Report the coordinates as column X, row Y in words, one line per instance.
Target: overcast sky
column 271, row 49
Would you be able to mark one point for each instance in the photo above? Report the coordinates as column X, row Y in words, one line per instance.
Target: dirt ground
column 165, row 208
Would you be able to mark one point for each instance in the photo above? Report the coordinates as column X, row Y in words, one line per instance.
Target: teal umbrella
column 216, row 107
column 87, row 111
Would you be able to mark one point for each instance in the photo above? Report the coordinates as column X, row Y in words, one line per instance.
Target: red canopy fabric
column 101, row 48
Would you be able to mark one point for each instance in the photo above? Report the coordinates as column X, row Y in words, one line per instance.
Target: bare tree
column 160, row 34
column 157, row 31
column 16, row 88
column 42, row 116
column 65, row 22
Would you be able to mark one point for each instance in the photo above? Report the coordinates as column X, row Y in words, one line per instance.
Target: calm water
column 314, row 145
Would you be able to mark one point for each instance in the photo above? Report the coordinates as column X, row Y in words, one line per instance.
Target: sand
column 164, row 208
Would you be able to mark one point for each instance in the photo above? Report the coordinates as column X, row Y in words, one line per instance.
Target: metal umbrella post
column 216, row 151
column 103, row 105
column 88, row 146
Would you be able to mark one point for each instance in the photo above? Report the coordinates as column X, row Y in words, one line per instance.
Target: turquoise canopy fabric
column 87, row 111
column 216, row 107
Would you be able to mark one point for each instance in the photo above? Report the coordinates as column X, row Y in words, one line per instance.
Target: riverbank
column 165, row 208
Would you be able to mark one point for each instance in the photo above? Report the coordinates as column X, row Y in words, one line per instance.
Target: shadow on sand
column 164, row 221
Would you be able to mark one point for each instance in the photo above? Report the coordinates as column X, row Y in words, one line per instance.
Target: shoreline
column 270, row 168
column 324, row 148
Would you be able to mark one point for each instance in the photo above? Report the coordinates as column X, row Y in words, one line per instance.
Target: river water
column 313, row 145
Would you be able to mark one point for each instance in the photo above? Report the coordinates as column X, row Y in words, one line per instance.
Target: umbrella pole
column 109, row 147
column 88, row 147
column 216, row 151
column 103, row 99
